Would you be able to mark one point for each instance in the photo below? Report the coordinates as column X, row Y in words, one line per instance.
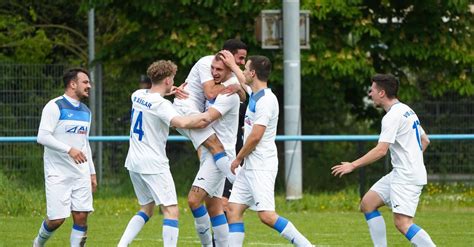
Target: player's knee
column 366, row 207
column 213, row 144
column 193, row 202
column 148, row 209
column 402, row 223
column 170, row 212
column 54, row 224
column 267, row 218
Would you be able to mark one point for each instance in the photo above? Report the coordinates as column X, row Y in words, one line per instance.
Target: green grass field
column 446, row 212
column 326, row 220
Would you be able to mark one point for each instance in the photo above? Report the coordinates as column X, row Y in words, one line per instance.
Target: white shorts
column 401, row 198
column 209, row 177
column 158, row 188
column 255, row 188
column 66, row 194
column 197, row 136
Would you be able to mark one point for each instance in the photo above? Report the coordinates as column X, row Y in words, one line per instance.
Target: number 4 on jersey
column 138, row 126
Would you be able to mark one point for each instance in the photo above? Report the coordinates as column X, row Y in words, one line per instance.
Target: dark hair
column 71, row 75
column 388, row 83
column 262, row 67
column 145, row 79
column 233, row 45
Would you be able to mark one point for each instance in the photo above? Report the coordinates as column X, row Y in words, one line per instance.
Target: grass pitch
column 323, row 225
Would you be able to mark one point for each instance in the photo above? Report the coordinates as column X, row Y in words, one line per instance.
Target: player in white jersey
column 209, row 182
column 400, row 190
column 152, row 115
column 68, row 167
column 201, row 87
column 255, row 183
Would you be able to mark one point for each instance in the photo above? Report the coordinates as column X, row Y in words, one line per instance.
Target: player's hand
column 179, row 92
column 228, row 59
column 231, row 89
column 78, row 156
column 342, row 169
column 234, row 165
column 94, row 182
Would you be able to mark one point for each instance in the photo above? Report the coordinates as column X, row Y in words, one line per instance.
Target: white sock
column 221, row 230
column 43, row 234
column 170, row 232
column 419, row 237
column 223, row 163
column 289, row 231
column 202, row 223
column 236, row 234
column 78, row 235
column 377, row 230
column 134, row 226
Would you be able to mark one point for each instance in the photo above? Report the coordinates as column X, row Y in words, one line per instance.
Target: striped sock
column 202, row 223
column 78, row 235
column 134, row 226
column 289, row 232
column 221, row 230
column 377, row 230
column 236, row 234
column 419, row 237
column 43, row 234
column 170, row 232
column 223, row 163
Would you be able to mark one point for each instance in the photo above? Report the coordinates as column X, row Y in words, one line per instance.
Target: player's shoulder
column 206, row 60
column 53, row 103
column 266, row 96
column 139, row 92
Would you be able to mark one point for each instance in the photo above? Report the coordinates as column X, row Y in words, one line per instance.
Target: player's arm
column 425, row 141
column 91, row 167
column 250, row 143
column 197, row 121
column 229, row 61
column 49, row 120
column 211, row 89
column 373, row 155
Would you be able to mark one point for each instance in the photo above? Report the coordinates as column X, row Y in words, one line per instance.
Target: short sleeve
column 264, row 110
column 49, row 117
column 204, row 70
column 166, row 112
column 390, row 125
column 225, row 103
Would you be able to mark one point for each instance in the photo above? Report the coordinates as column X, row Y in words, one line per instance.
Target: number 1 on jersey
column 138, row 126
column 418, row 136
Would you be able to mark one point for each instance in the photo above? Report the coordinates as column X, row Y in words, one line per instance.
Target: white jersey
column 262, row 110
column 200, row 73
column 227, row 126
column 149, row 130
column 69, row 122
column 401, row 128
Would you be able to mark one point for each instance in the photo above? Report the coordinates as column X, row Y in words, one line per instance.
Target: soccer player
column 68, row 168
column 400, row 190
column 254, row 185
column 209, row 182
column 201, row 86
column 152, row 115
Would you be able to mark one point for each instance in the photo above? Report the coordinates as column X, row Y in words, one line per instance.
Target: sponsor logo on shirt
column 76, row 129
column 247, row 120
